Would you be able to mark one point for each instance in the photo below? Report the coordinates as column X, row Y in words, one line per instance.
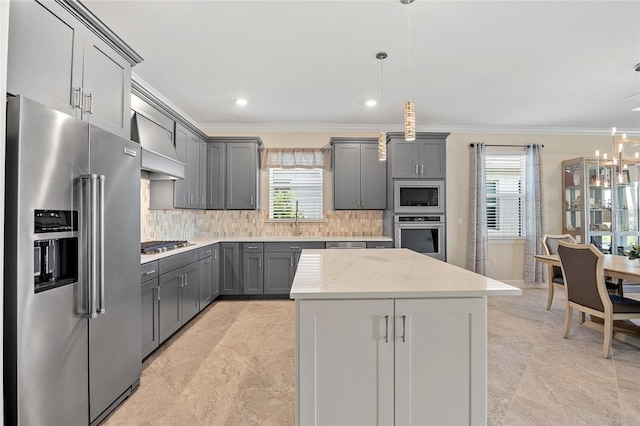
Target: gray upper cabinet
column 190, row 149
column 242, row 171
column 359, row 178
column 233, row 175
column 202, row 175
column 216, row 175
column 61, row 55
column 425, row 158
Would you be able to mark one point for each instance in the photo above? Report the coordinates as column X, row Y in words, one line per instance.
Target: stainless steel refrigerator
column 72, row 268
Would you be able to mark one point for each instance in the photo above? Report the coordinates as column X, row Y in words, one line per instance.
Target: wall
column 184, row 224
column 508, row 256
column 4, row 36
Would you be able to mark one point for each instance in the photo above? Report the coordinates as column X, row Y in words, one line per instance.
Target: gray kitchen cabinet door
column 216, row 271
column 170, row 310
column 373, row 178
column 45, row 55
column 252, row 275
column 346, row 176
column 216, row 175
column 107, row 88
column 205, row 281
column 202, row 175
column 404, row 161
column 181, row 188
column 279, row 269
column 150, row 337
column 432, row 159
column 230, row 269
column 242, row 173
column 189, row 292
column 193, row 171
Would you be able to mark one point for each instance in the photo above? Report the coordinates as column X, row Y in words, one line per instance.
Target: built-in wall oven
column 418, row 196
column 423, row 234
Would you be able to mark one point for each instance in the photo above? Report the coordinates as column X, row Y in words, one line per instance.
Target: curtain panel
column 477, row 238
column 533, row 271
column 296, row 158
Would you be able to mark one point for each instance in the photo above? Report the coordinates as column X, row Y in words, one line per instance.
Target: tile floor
column 234, row 365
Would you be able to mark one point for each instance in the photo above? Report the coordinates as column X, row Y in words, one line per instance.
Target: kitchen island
column 390, row 337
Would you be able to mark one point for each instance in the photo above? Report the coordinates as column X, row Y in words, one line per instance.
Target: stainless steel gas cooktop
column 152, row 247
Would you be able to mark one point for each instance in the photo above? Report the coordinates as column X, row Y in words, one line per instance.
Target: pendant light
column 382, row 137
column 409, row 107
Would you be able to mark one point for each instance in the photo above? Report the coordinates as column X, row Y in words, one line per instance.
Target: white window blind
column 288, row 186
column 505, row 174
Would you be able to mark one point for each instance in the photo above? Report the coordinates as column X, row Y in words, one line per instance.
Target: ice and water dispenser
column 55, row 260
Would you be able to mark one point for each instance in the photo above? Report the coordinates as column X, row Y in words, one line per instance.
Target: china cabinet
column 600, row 204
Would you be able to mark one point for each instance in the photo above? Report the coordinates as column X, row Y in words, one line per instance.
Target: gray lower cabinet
column 279, row 270
column 252, row 275
column 206, row 277
column 150, row 337
column 379, row 244
column 359, row 178
column 424, row 158
column 230, row 273
column 280, row 263
column 178, row 292
column 64, row 57
column 216, row 271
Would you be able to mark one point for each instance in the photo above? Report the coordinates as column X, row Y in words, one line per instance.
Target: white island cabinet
column 390, row 337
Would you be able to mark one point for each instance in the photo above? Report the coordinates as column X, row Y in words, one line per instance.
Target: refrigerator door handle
column 93, row 227
column 101, row 237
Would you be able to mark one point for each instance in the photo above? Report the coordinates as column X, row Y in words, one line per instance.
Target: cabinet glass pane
column 602, row 242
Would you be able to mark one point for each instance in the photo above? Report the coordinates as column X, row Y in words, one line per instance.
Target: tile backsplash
column 181, row 224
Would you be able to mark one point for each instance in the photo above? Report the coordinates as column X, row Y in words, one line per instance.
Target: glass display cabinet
column 600, row 203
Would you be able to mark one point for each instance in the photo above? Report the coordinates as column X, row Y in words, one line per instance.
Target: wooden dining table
column 614, row 266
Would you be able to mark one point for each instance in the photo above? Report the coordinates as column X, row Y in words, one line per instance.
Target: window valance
column 296, row 158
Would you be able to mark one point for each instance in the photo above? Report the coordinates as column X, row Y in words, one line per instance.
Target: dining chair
column 583, row 273
column 554, row 275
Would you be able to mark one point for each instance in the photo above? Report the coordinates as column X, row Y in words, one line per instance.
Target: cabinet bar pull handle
column 422, row 169
column 150, row 272
column 293, row 247
column 186, row 280
column 202, row 199
column 416, row 169
column 259, row 262
column 90, row 109
column 252, row 247
column 386, row 328
column 156, row 291
column 404, row 329
column 252, row 200
column 215, row 254
column 363, row 201
column 77, row 97
column 292, row 262
column 358, row 201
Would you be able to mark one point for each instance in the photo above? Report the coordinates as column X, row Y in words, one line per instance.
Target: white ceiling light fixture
column 409, row 107
column 382, row 137
column 241, row 102
column 371, row 103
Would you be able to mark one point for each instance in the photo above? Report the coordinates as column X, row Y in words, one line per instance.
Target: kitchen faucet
column 297, row 229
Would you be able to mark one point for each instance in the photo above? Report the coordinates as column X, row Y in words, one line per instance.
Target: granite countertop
column 197, row 243
column 382, row 274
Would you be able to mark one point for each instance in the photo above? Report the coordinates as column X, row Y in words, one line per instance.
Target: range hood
column 158, row 153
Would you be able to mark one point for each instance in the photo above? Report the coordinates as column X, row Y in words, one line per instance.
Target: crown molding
column 296, row 127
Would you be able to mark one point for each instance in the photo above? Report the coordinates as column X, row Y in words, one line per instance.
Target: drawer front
column 148, row 271
column 206, row 251
column 176, row 261
column 292, row 247
column 379, row 244
column 252, row 247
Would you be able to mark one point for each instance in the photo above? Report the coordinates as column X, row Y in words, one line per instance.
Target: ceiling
column 470, row 66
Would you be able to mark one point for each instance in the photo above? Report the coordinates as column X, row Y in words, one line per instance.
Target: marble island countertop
column 378, row 274
column 196, row 243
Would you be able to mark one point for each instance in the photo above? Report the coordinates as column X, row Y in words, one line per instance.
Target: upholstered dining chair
column 554, row 275
column 583, row 272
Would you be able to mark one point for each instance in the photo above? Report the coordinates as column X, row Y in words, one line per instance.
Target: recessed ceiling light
column 241, row 102
column 370, row 103
column 636, row 109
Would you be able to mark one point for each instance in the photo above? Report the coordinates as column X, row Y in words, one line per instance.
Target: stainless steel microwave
column 418, row 196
